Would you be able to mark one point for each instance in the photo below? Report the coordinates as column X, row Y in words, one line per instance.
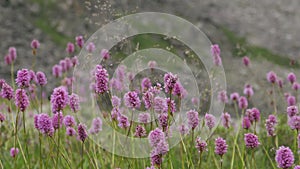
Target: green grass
column 242, row 48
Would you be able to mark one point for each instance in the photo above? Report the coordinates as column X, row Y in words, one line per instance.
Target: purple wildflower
column 8, row 59
column 57, row 71
column 41, row 78
column 163, row 120
column 140, row 131
column 294, row 122
column 193, row 119
column 146, row 84
column 152, row 64
column 234, row 96
column 220, row 146
column 253, row 114
column 160, row 104
column 246, row 123
column 162, row 147
column 284, row 157
column 14, row 152
column 44, row 124
column 215, row 51
column 246, row 61
column 243, row 102
column 70, row 48
column 132, row 100
column 74, row 61
column 179, row 90
column 12, row 51
column 96, row 125
column 183, row 129
column 226, row 119
column 201, row 145
column 280, row 83
column 297, row 167
column 57, row 120
column 115, row 101
column 70, row 131
column 251, row 140
column 21, row 99
column 148, row 99
column 210, row 121
column 115, row 112
column 123, row 121
column 271, row 122
column 195, row 101
column 79, row 41
column 271, row 77
column 292, row 111
column 156, row 160
column 35, row 44
column 169, row 82
column 291, row 100
column 155, row 136
column 248, row 90
column 59, row 99
column 69, row 63
column 105, row 54
column 170, row 106
column 23, row 78
column 222, row 96
column 101, row 79
column 296, row 86
column 63, row 65
column 144, row 118
column 69, row 121
column 74, row 102
column 6, row 92
column 90, row 47
column 291, row 77
column 82, row 133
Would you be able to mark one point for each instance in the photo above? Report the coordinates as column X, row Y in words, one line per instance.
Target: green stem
column 40, row 142
column 16, row 135
column 58, row 140
column 82, row 149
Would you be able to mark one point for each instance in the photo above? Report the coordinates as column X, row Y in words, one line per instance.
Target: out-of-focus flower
column 105, row 54
column 271, row 77
column 35, row 44
column 193, row 119
column 79, row 41
column 246, row 61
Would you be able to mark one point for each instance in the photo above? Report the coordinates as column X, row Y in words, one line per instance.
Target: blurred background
column 264, row 30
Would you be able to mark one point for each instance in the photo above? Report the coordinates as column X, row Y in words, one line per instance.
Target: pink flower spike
column 91, row 47
column 70, row 48
column 105, row 54
column 79, row 41
column 291, row 77
column 271, row 77
column 35, row 44
column 246, row 61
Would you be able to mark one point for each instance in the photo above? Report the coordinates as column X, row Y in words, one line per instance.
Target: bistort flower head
column 59, row 99
column 284, row 157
